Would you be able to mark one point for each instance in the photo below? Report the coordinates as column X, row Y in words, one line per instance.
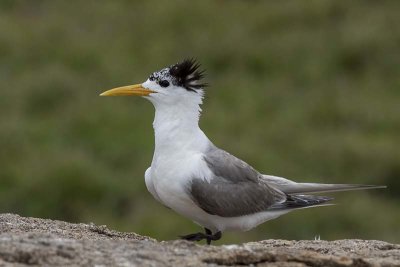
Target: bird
column 200, row 181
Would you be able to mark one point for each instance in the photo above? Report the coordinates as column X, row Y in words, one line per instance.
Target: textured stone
column 40, row 242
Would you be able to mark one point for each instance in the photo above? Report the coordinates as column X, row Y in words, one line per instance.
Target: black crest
column 188, row 75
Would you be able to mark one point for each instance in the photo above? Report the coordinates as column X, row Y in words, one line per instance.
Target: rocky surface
column 40, row 242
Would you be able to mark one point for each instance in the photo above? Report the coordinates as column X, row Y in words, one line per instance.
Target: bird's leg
column 213, row 237
column 208, row 231
column 194, row 237
column 209, row 236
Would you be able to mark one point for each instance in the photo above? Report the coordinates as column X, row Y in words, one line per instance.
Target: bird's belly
column 171, row 182
column 150, row 185
column 244, row 223
column 173, row 194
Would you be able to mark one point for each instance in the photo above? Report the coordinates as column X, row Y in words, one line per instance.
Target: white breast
column 171, row 175
column 150, row 185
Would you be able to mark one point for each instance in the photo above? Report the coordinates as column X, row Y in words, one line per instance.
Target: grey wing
column 236, row 189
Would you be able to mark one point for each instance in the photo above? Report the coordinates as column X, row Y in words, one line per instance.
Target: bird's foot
column 194, row 237
column 200, row 236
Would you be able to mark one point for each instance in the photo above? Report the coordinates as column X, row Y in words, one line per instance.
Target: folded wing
column 237, row 189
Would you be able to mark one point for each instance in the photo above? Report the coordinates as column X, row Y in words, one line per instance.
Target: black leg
column 209, row 236
column 208, row 231
column 214, row 237
column 217, row 236
column 194, row 237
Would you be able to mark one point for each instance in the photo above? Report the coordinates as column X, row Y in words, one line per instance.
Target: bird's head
column 172, row 85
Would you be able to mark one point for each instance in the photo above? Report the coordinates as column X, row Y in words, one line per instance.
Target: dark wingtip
column 296, row 201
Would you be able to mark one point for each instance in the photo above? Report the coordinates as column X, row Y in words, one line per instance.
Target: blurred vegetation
column 307, row 90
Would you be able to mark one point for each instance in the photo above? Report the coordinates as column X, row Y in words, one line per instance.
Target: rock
column 41, row 242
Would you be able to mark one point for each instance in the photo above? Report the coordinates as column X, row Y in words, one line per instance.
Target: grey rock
column 41, row 242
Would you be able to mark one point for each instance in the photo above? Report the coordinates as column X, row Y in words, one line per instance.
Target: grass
column 304, row 90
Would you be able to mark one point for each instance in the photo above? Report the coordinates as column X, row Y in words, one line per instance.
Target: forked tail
column 289, row 187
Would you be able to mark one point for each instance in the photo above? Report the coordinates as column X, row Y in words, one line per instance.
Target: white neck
column 176, row 127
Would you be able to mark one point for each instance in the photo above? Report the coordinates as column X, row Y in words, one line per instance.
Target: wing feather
column 235, row 189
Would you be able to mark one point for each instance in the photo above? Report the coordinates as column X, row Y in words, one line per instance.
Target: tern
column 200, row 181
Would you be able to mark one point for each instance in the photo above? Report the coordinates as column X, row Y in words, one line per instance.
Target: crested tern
column 198, row 180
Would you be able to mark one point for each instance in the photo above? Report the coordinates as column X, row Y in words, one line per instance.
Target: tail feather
column 290, row 187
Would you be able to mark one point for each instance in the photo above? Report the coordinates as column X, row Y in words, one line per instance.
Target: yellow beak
column 136, row 89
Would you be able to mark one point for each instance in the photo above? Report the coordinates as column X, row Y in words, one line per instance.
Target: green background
column 307, row 90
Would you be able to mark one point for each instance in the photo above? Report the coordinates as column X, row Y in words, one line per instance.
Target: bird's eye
column 164, row 83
